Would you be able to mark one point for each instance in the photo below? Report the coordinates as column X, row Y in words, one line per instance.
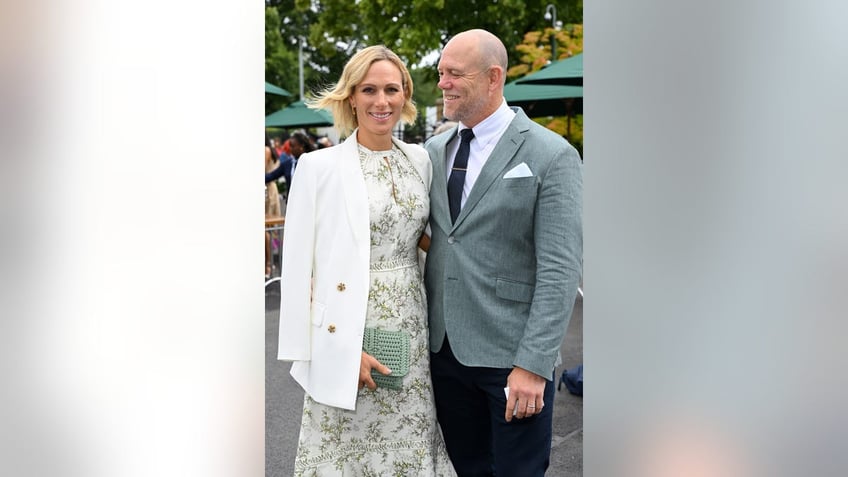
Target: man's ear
column 496, row 74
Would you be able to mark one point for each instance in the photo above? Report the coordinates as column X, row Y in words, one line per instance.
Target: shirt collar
column 489, row 129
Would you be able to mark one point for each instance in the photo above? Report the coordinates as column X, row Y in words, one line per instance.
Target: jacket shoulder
column 439, row 140
column 539, row 135
column 420, row 158
column 417, row 152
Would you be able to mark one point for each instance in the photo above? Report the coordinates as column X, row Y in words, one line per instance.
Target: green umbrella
column 297, row 115
column 270, row 88
column 539, row 100
column 563, row 72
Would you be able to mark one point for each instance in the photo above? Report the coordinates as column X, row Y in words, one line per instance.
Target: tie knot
column 466, row 135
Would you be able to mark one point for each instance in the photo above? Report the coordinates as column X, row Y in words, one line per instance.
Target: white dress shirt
column 486, row 136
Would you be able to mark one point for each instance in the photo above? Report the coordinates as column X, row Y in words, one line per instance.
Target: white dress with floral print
column 391, row 433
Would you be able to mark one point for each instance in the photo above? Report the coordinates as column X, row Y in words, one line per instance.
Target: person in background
column 275, row 174
column 272, row 202
column 502, row 268
column 323, row 142
column 350, row 267
column 445, row 126
column 278, row 144
column 299, row 144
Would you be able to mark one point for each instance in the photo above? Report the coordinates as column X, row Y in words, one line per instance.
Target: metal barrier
column 275, row 226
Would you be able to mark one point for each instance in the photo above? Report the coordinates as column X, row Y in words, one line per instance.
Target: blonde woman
column 350, row 266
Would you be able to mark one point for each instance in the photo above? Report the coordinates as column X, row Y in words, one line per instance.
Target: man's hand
column 526, row 393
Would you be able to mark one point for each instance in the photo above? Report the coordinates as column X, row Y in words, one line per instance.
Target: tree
column 291, row 20
column 334, row 29
column 535, row 53
column 280, row 62
column 535, row 49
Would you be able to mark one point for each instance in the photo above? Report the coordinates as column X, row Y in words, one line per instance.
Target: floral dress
column 392, row 432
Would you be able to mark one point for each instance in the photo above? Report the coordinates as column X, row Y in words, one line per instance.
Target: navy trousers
column 470, row 405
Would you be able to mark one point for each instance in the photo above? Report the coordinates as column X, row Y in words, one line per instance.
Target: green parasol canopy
column 270, row 88
column 568, row 71
column 539, row 100
column 297, row 115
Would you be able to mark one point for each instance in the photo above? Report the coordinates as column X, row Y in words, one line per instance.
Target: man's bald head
column 489, row 48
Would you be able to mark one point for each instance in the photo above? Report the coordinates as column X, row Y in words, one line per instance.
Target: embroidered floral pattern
column 391, row 433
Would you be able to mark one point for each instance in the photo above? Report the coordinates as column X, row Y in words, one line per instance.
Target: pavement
column 284, row 401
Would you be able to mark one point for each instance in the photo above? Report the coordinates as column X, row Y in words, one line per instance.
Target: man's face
column 296, row 147
column 464, row 83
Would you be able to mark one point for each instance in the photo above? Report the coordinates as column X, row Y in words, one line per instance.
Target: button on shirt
column 486, row 136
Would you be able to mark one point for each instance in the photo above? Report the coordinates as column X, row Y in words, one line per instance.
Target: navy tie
column 457, row 177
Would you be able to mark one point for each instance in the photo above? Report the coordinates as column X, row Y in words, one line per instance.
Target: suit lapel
column 439, row 184
column 504, row 151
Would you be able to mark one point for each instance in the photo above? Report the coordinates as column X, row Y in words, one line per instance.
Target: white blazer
column 327, row 241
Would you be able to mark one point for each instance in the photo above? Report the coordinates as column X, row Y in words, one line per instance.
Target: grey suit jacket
column 502, row 280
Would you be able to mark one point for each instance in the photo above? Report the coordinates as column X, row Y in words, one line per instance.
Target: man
column 502, row 275
column 299, row 143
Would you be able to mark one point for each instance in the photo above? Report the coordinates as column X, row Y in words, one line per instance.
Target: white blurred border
column 715, row 232
column 136, row 321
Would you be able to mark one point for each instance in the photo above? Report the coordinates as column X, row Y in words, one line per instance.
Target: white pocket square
column 520, row 170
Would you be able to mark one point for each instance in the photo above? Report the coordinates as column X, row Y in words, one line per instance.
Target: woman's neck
column 373, row 142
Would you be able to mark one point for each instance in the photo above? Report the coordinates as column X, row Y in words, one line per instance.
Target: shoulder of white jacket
column 414, row 151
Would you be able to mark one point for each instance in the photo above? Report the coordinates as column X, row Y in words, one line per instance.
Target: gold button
column 331, row 328
column 341, row 287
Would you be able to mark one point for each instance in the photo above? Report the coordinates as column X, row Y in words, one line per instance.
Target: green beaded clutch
column 392, row 349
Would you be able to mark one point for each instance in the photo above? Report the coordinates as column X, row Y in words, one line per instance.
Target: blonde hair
column 336, row 98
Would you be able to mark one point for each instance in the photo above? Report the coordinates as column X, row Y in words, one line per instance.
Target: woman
column 272, row 202
column 350, row 265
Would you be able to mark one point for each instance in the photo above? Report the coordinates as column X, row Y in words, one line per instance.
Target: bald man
column 503, row 266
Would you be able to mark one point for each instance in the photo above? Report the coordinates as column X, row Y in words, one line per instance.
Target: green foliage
column 417, row 132
column 536, row 48
column 569, row 127
column 426, row 92
column 334, row 29
column 535, row 52
column 280, row 63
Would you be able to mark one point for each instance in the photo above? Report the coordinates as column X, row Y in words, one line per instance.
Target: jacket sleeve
column 558, row 235
column 275, row 174
column 297, row 267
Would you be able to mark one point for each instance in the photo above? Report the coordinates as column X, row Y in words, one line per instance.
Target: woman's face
column 378, row 100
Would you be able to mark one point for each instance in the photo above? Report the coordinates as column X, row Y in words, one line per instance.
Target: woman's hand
column 424, row 242
column 366, row 364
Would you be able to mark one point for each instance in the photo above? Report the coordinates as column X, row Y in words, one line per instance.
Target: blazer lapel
column 504, row 151
column 355, row 193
